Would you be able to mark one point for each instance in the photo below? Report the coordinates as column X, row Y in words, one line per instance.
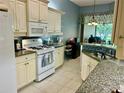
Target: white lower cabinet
column 87, row 65
column 25, row 69
column 59, row 56
column 21, row 74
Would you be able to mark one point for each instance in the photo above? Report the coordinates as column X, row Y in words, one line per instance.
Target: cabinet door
column 43, row 11
column 21, row 74
column 21, row 16
column 31, row 70
column 119, row 29
column 57, row 22
column 13, row 14
column 51, row 21
column 33, row 10
column 115, row 32
column 59, row 57
column 85, row 66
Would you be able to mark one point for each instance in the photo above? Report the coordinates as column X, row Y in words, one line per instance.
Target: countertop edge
column 90, row 55
column 23, row 52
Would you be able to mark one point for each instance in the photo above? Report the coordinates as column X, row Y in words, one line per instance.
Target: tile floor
column 65, row 80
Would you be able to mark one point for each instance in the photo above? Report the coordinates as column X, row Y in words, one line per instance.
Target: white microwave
column 37, row 28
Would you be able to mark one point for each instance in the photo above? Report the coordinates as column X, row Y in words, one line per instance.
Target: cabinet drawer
column 25, row 58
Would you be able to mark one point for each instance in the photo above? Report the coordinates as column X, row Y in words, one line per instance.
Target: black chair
column 72, row 49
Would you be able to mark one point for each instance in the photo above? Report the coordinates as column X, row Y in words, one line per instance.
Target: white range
column 45, row 57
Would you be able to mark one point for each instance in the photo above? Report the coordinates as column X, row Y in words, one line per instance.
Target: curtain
column 101, row 18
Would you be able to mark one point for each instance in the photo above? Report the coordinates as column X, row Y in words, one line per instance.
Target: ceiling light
column 93, row 20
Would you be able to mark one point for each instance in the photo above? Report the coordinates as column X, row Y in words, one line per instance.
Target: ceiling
column 91, row 2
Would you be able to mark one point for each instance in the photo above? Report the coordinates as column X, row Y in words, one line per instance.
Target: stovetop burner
column 40, row 47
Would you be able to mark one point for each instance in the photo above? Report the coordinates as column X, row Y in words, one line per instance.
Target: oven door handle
column 43, row 61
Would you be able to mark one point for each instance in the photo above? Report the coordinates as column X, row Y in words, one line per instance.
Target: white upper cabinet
column 118, row 31
column 51, row 21
column 18, row 12
column 21, row 16
column 12, row 10
column 37, row 11
column 33, row 10
column 43, row 11
column 58, row 22
column 54, row 21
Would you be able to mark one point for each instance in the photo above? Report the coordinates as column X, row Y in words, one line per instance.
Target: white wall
column 88, row 30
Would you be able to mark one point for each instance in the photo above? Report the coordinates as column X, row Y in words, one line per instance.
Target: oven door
column 45, row 62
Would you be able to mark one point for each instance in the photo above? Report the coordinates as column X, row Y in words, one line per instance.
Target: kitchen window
column 104, row 31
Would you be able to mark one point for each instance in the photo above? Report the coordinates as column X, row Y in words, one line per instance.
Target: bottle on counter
column 18, row 46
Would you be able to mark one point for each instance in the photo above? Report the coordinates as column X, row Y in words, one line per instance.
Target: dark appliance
column 72, row 48
column 17, row 45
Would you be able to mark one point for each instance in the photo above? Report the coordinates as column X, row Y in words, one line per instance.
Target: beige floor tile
column 30, row 89
column 62, row 81
column 41, row 84
column 74, row 85
column 66, row 79
column 66, row 90
column 53, row 88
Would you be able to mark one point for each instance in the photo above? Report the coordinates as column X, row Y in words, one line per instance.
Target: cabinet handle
column 121, row 37
column 39, row 20
column 16, row 30
column 26, row 64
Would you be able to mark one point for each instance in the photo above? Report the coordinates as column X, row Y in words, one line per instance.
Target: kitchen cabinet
column 37, row 11
column 25, row 69
column 43, row 12
column 31, row 70
column 21, row 74
column 59, row 56
column 18, row 12
column 54, row 21
column 87, row 65
column 12, row 11
column 58, row 22
column 21, row 16
column 118, row 28
column 33, row 10
column 51, row 20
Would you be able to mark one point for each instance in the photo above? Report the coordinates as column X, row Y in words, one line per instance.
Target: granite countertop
column 23, row 52
column 107, row 76
column 101, row 45
column 58, row 45
column 103, row 50
column 92, row 55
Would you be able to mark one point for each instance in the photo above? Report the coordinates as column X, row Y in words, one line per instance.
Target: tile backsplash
column 52, row 39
